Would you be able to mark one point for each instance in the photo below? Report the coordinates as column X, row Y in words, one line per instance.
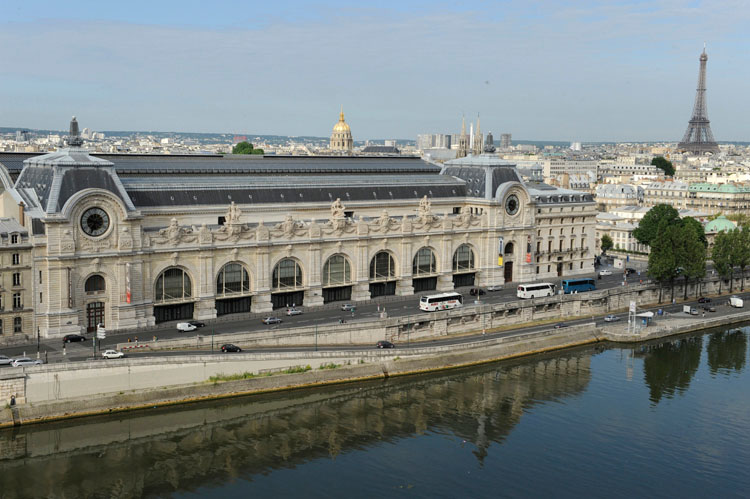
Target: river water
column 667, row 419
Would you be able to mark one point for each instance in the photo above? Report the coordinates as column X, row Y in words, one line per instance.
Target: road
column 52, row 350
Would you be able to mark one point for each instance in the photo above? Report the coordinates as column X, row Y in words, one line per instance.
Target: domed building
column 341, row 138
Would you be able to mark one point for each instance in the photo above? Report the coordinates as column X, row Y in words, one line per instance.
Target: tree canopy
column 245, row 148
column 664, row 164
column 607, row 243
column 655, row 221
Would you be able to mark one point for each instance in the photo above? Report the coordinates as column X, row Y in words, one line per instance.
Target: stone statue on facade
column 233, row 214
column 337, row 209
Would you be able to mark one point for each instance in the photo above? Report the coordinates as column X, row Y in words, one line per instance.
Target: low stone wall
column 60, row 391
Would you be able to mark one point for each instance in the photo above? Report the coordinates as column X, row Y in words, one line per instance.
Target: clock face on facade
column 95, row 222
column 512, row 204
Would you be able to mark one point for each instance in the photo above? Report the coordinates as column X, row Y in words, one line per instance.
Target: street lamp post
column 38, row 355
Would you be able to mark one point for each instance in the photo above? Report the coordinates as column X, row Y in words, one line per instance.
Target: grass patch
column 329, row 365
column 231, row 377
column 297, row 369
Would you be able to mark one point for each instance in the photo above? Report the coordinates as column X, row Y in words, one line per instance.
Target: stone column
column 361, row 273
column 404, row 286
column 261, row 302
column 314, row 291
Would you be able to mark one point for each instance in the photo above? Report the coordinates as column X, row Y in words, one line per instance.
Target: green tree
column 720, row 254
column 654, row 222
column 607, row 243
column 696, row 227
column 692, row 255
column 663, row 260
column 245, row 148
column 664, row 164
column 741, row 251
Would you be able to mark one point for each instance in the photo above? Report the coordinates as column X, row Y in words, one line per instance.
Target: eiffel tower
column 698, row 138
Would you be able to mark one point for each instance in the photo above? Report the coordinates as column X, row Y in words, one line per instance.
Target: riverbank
column 64, row 391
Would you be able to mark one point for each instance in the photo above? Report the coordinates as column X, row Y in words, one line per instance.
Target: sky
column 541, row 70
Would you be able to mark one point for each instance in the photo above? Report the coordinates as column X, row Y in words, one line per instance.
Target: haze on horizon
column 586, row 71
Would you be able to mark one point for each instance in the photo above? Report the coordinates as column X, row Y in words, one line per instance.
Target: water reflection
column 726, row 352
column 164, row 451
column 669, row 367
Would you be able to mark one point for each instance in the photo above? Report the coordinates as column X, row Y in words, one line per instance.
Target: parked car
column 293, row 311
column 184, row 327
column 112, row 354
column 709, row 308
column 271, row 320
column 25, row 361
column 73, row 337
column 703, row 299
column 348, row 307
column 560, row 325
column 495, row 287
column 384, row 344
column 197, row 323
column 605, row 272
column 611, row 318
column 230, row 348
column 476, row 291
column 5, row 361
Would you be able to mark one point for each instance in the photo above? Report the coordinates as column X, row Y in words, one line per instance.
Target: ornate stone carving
column 233, row 214
column 174, row 234
column 204, row 235
column 337, row 209
column 288, row 228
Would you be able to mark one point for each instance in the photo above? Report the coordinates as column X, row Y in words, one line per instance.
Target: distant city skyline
column 589, row 72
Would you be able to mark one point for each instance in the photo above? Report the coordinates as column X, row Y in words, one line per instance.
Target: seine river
column 668, row 419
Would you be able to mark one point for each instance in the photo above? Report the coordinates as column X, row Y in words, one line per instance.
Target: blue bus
column 578, row 285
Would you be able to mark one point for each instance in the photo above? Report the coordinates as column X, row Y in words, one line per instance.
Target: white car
column 495, row 287
column 5, row 361
column 293, row 311
column 605, row 272
column 25, row 361
column 611, row 318
column 348, row 307
column 186, row 327
column 112, row 354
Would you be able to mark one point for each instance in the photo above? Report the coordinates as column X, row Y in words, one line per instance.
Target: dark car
column 709, row 308
column 230, row 348
column 703, row 299
column 73, row 337
column 630, row 270
column 384, row 344
column 560, row 325
column 476, row 291
column 197, row 323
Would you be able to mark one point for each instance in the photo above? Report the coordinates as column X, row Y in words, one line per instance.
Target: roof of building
column 380, row 149
column 10, row 226
column 719, row 224
column 724, row 188
column 483, row 174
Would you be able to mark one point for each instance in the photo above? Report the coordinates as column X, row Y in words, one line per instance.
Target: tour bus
column 443, row 301
column 578, row 285
column 535, row 290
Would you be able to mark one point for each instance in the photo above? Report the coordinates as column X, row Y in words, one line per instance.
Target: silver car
column 25, row 361
column 5, row 361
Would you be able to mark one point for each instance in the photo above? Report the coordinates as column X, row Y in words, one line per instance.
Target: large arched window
column 424, row 263
column 95, row 284
column 287, row 274
column 382, row 267
column 173, row 284
column 336, row 271
column 232, row 279
column 509, row 249
column 463, row 259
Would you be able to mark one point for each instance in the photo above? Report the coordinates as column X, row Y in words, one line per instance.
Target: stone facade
column 16, row 280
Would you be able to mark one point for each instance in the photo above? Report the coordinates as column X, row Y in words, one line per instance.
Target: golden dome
column 341, row 126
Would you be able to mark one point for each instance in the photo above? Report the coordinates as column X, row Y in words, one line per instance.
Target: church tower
column 463, row 141
column 476, row 147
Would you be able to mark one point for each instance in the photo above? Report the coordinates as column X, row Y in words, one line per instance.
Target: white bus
column 535, row 290
column 443, row 301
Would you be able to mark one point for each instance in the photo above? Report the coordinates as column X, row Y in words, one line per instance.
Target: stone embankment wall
column 68, row 390
column 471, row 318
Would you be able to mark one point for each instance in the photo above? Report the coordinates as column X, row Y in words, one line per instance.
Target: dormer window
column 14, row 239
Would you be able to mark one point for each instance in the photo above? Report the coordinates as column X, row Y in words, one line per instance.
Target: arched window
column 382, row 267
column 463, row 259
column 232, row 279
column 336, row 271
column 509, row 249
column 424, row 262
column 287, row 274
column 173, row 284
column 95, row 283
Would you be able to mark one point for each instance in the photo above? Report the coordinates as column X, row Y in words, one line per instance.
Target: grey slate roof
column 11, row 225
column 483, row 174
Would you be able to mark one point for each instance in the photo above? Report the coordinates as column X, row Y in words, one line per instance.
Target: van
column 736, row 302
column 689, row 310
column 185, row 327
